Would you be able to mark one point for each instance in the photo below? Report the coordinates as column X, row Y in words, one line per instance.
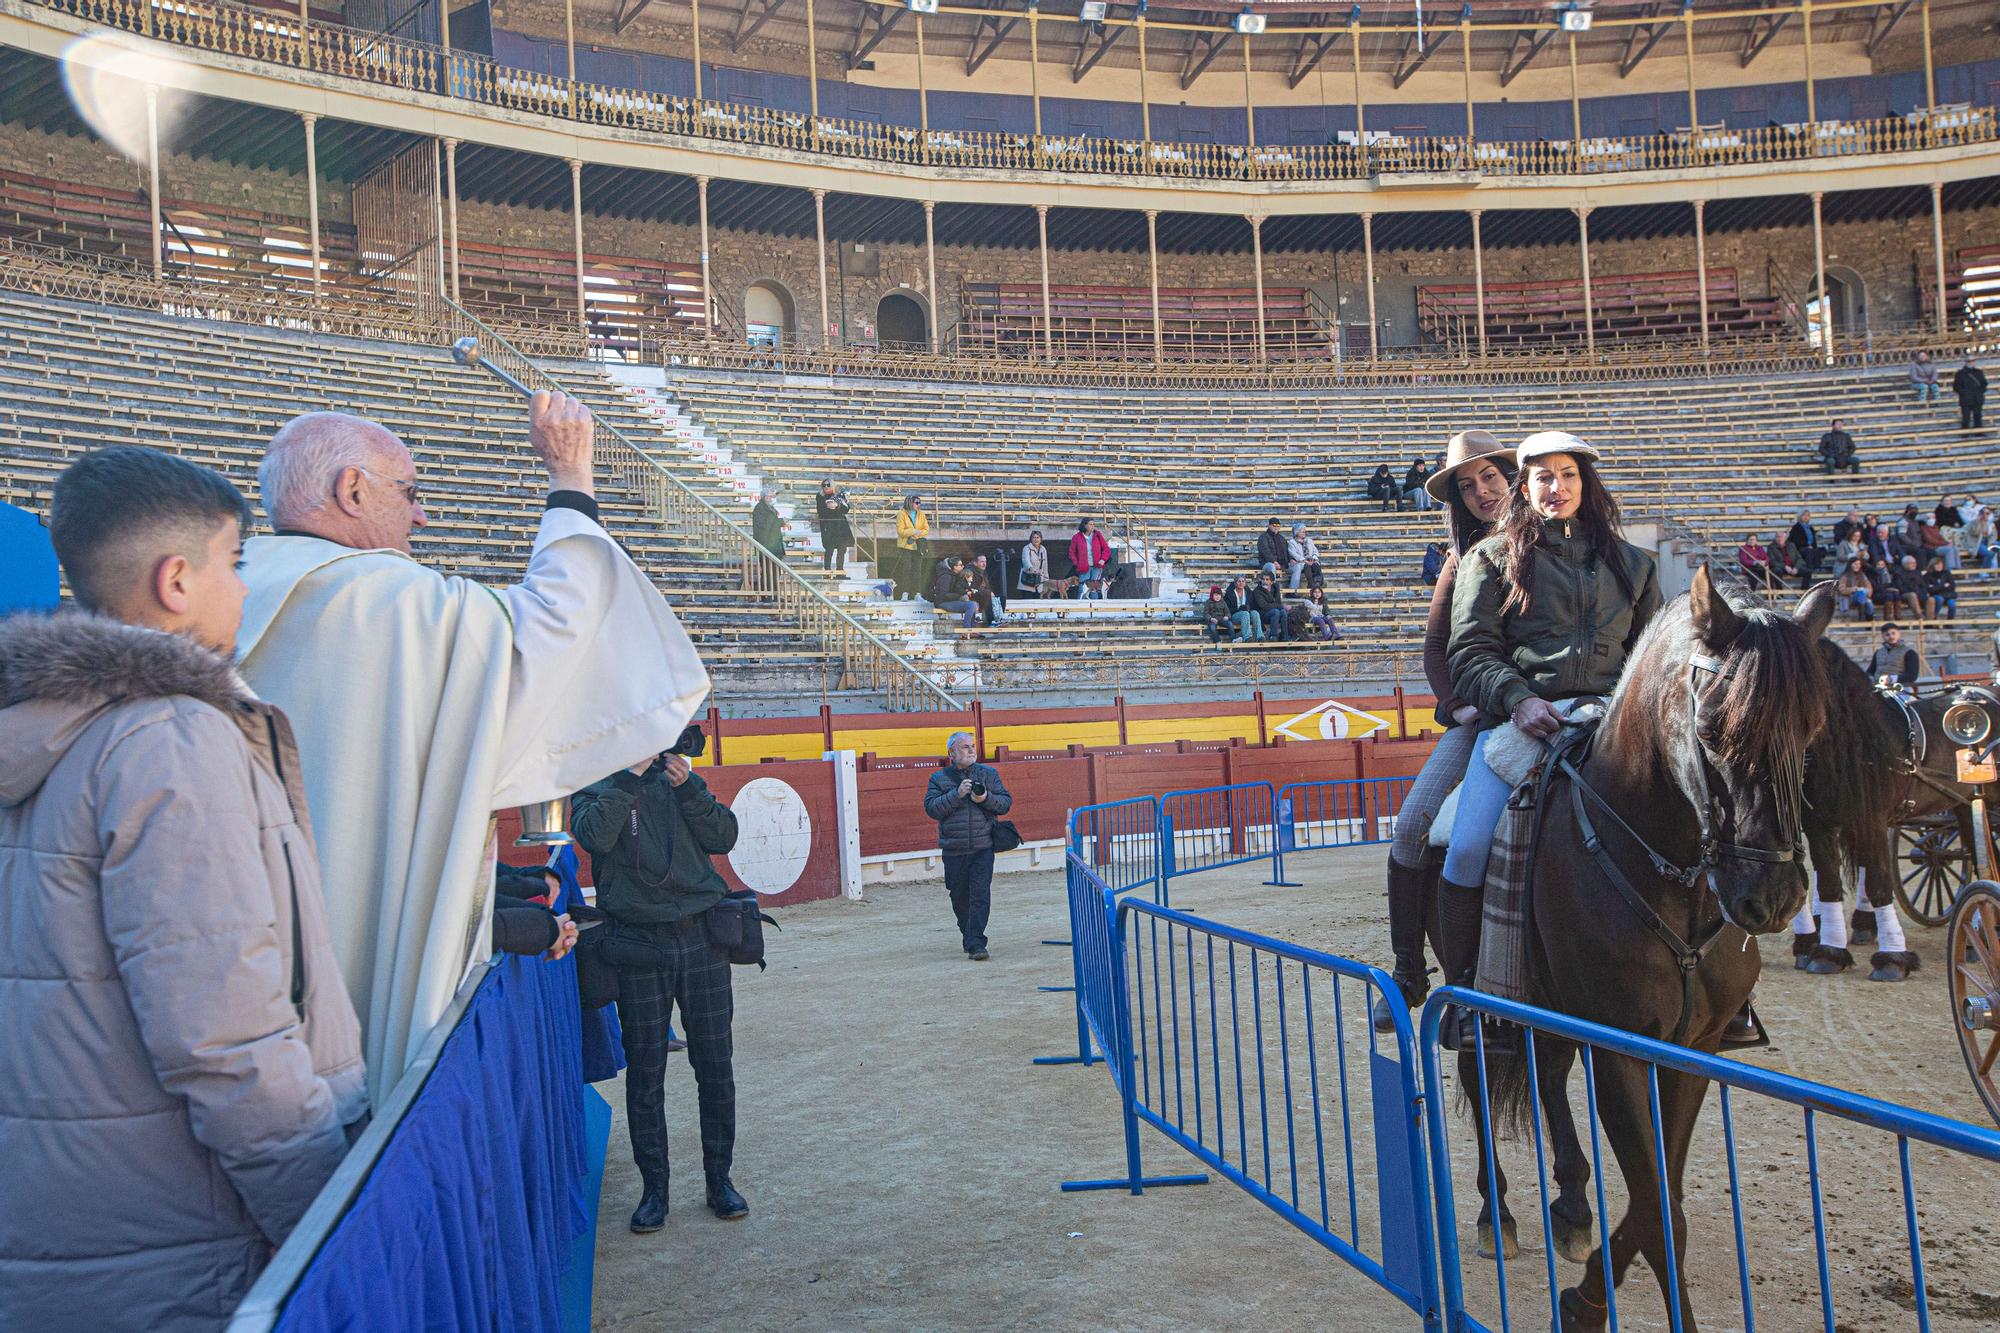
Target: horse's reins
column 1788, row 794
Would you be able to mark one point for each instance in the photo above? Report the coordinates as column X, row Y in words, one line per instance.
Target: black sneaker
column 725, row 1202
column 980, row 955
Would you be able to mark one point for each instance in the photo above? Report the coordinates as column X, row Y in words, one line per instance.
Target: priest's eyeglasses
column 408, row 488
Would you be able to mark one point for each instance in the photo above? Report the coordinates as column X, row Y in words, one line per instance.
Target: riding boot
column 1406, row 938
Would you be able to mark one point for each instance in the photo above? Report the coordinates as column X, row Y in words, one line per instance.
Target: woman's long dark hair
column 1466, row 528
column 1523, row 527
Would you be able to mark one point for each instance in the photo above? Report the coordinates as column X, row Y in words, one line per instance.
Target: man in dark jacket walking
column 965, row 797
column 650, row 831
column 1969, row 383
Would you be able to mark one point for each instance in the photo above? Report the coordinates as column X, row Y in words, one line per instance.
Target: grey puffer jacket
column 964, row 825
column 181, row 1053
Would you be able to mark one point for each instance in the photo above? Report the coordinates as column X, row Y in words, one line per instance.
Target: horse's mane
column 1849, row 778
column 1774, row 700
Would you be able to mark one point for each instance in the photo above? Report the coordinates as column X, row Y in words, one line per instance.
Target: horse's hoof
column 1892, row 966
column 1802, row 947
column 1861, row 930
column 1825, row 961
column 1507, row 1237
column 1573, row 1243
column 1580, row 1314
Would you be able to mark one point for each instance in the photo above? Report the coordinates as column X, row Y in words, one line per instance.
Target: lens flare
column 107, row 74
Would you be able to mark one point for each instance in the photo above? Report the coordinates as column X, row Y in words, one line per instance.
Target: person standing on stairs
column 913, row 539
column 836, row 531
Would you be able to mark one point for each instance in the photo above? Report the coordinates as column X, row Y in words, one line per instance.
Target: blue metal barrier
column 1120, row 842
column 1259, row 1058
column 1346, row 813
column 1760, row 1097
column 1213, row 827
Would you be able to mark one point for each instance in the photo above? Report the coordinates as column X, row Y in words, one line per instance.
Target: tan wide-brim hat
column 1467, row 446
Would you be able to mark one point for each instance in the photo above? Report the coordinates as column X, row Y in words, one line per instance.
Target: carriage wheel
column 1973, row 948
column 1931, row 864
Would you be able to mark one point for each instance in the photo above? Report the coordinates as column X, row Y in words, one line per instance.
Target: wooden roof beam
column 1639, row 43
column 1087, row 57
column 1512, row 64
column 999, row 28
column 1415, row 57
column 756, row 13
column 1884, row 23
column 627, row 11
column 1202, row 50
column 885, row 21
column 1313, row 48
column 1762, row 29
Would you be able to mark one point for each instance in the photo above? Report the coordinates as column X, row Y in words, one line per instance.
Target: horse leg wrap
column 1805, row 923
column 1833, row 924
column 1889, row 929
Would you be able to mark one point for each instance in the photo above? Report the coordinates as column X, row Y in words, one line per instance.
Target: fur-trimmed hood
column 58, row 672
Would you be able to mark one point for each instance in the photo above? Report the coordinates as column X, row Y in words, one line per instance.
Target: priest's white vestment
column 423, row 704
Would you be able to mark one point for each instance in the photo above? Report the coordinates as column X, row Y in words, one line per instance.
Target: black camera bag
column 736, row 928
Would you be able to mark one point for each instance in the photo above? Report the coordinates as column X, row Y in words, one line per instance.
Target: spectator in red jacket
column 1090, row 554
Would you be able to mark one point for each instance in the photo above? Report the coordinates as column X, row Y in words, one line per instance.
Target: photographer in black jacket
column 965, row 797
column 650, row 831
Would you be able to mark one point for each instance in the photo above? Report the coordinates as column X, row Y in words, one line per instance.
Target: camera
column 689, row 745
column 978, row 789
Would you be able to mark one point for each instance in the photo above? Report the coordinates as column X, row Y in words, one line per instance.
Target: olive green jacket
column 1574, row 638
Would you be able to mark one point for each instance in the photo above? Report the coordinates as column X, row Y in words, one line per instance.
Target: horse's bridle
column 1788, row 782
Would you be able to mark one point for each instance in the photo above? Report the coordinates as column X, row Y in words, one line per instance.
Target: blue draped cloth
column 469, row 1218
column 603, row 1041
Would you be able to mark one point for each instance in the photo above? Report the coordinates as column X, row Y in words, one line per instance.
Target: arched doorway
column 769, row 317
column 1845, row 303
column 901, row 321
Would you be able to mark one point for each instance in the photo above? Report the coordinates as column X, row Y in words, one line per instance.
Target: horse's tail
column 1510, row 1083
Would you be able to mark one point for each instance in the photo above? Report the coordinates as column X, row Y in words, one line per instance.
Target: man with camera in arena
column 967, row 798
column 650, row 830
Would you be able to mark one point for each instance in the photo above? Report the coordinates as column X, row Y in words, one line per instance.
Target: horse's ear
column 1815, row 610
column 1716, row 623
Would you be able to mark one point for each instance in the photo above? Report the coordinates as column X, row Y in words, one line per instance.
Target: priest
column 425, row 703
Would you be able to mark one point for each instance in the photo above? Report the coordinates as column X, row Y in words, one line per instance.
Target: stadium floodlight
column 1093, row 11
column 1575, row 20
column 921, row 6
column 1249, row 24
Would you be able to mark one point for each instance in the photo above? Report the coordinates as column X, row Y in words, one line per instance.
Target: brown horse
column 1693, row 795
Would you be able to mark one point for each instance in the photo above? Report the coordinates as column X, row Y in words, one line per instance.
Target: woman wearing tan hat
column 1471, row 483
column 1546, row 609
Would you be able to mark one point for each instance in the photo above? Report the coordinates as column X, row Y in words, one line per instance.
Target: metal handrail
column 861, row 653
column 374, row 57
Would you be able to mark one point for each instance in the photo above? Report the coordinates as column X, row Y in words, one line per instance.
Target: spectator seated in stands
column 1321, row 615
column 1909, row 582
column 1978, row 542
column 1090, row 557
column 1382, row 486
column 767, row 526
column 1216, row 618
column 1852, row 545
column 182, row 1058
column 1303, row 554
column 1413, row 484
column 1941, row 589
column 1754, row 561
column 979, row 587
column 1924, row 378
column 1249, row 625
column 1847, row 526
column 1882, row 545
column 949, row 589
column 1856, row 590
column 1895, row 658
column 1968, row 383
column 1434, row 558
column 1883, row 585
column 1785, row 562
column 1805, row 541
column 1274, row 554
column 1949, row 515
column 1907, row 525
column 1932, row 542
column 1269, row 606
column 1837, row 452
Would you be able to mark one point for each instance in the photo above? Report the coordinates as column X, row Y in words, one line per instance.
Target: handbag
column 736, row 928
column 1004, row 835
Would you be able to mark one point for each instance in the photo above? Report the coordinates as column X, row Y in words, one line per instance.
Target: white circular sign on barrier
column 774, row 835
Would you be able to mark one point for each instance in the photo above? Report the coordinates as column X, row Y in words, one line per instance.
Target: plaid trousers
column 696, row 978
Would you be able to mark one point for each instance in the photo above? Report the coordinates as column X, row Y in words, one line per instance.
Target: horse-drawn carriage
column 1945, row 861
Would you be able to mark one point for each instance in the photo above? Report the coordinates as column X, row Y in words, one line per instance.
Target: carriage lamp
column 1967, row 722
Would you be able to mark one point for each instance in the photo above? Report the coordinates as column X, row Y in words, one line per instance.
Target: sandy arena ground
column 901, row 1154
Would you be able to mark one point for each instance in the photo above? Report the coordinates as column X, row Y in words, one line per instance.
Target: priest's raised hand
column 424, row 703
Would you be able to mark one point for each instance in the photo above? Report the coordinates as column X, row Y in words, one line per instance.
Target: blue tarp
column 470, row 1217
column 28, row 576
